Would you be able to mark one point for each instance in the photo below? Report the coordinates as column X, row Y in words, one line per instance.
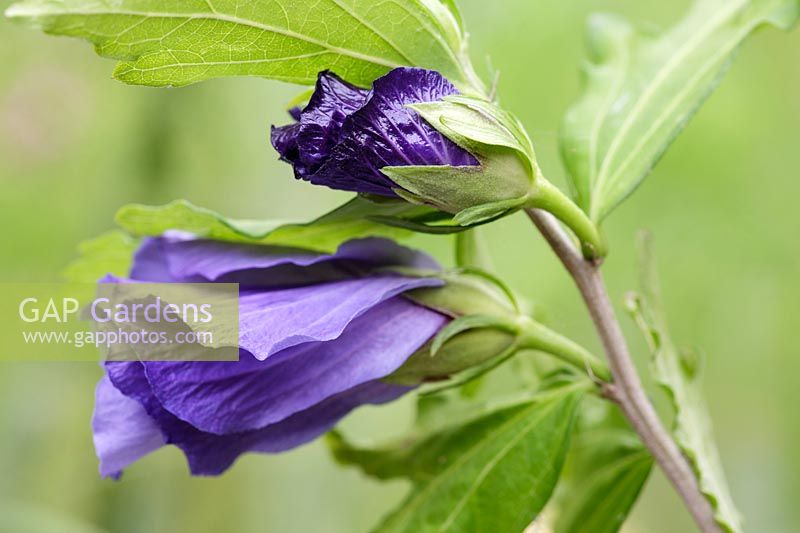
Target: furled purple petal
column 210, row 454
column 284, row 139
column 296, row 112
column 229, row 397
column 123, row 431
column 321, row 121
column 307, row 144
column 384, row 132
column 176, row 257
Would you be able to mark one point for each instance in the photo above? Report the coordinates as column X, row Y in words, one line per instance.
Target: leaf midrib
column 597, row 126
column 490, row 466
column 679, row 98
column 652, row 88
column 439, row 479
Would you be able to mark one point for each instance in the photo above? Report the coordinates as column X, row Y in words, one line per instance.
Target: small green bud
column 506, row 179
column 486, row 328
column 505, row 174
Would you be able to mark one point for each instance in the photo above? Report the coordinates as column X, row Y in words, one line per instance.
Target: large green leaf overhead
column 639, row 91
column 178, row 42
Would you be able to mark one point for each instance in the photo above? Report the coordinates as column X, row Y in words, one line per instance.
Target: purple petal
column 321, row 121
column 314, row 313
column 284, row 139
column 386, row 133
column 210, row 454
column 250, row 394
column 175, row 257
column 295, row 113
column 307, row 144
column 123, row 431
column 150, row 262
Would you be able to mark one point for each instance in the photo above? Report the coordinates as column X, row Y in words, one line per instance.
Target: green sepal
column 466, row 350
column 417, row 227
column 494, row 280
column 464, row 295
column 471, row 322
column 507, row 178
column 473, row 216
column 476, row 124
column 454, row 189
column 505, row 155
column 470, row 377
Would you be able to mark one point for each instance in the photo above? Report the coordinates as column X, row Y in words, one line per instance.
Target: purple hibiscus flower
column 317, row 334
column 345, row 135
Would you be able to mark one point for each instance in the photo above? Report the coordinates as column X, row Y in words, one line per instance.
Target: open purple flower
column 346, row 135
column 317, row 334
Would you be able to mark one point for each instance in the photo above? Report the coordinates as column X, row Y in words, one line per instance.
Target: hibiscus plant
column 335, row 314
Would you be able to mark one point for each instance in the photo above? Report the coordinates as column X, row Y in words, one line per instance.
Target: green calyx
column 487, row 328
column 506, row 180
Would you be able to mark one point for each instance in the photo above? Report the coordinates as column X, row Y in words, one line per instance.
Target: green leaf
column 639, row 92
column 602, row 504
column 680, row 377
column 110, row 253
column 604, row 474
column 174, row 43
column 492, row 473
column 324, row 234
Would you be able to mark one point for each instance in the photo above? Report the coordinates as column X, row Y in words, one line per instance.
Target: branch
column 626, row 389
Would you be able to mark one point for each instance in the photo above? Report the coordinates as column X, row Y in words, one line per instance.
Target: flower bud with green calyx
column 487, row 328
column 507, row 177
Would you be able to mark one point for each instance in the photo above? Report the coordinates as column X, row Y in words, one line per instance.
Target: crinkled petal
column 123, row 431
column 384, row 132
column 296, row 112
column 321, row 121
column 307, row 144
column 284, row 139
column 225, row 397
column 211, row 454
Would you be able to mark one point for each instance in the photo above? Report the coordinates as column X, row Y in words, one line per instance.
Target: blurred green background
column 75, row 145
